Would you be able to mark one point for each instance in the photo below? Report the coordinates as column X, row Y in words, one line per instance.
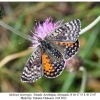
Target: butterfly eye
column 43, row 43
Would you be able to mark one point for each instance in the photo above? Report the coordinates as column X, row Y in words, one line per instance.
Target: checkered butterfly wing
column 33, row 69
column 68, row 32
column 69, row 49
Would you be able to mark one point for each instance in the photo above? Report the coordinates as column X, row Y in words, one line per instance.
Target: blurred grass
column 21, row 16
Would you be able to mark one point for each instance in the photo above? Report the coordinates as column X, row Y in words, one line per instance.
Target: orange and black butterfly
column 49, row 57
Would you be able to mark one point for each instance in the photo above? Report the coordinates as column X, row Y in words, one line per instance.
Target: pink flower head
column 41, row 30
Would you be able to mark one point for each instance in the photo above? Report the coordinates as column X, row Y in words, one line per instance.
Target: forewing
column 33, row 69
column 52, row 68
column 68, row 32
column 69, row 49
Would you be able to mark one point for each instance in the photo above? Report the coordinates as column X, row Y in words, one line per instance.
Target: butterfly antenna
column 36, row 24
column 35, row 34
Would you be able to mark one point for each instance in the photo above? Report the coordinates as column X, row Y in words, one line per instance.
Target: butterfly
column 49, row 57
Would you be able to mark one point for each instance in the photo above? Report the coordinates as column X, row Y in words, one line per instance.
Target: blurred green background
column 22, row 16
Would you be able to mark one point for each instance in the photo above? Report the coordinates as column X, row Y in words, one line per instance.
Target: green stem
column 84, row 79
column 90, row 25
column 27, row 37
column 68, row 82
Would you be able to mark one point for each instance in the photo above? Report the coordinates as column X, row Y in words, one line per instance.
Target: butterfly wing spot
column 52, row 69
column 69, row 44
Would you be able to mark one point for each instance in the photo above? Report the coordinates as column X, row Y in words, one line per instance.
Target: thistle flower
column 41, row 30
column 73, row 64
